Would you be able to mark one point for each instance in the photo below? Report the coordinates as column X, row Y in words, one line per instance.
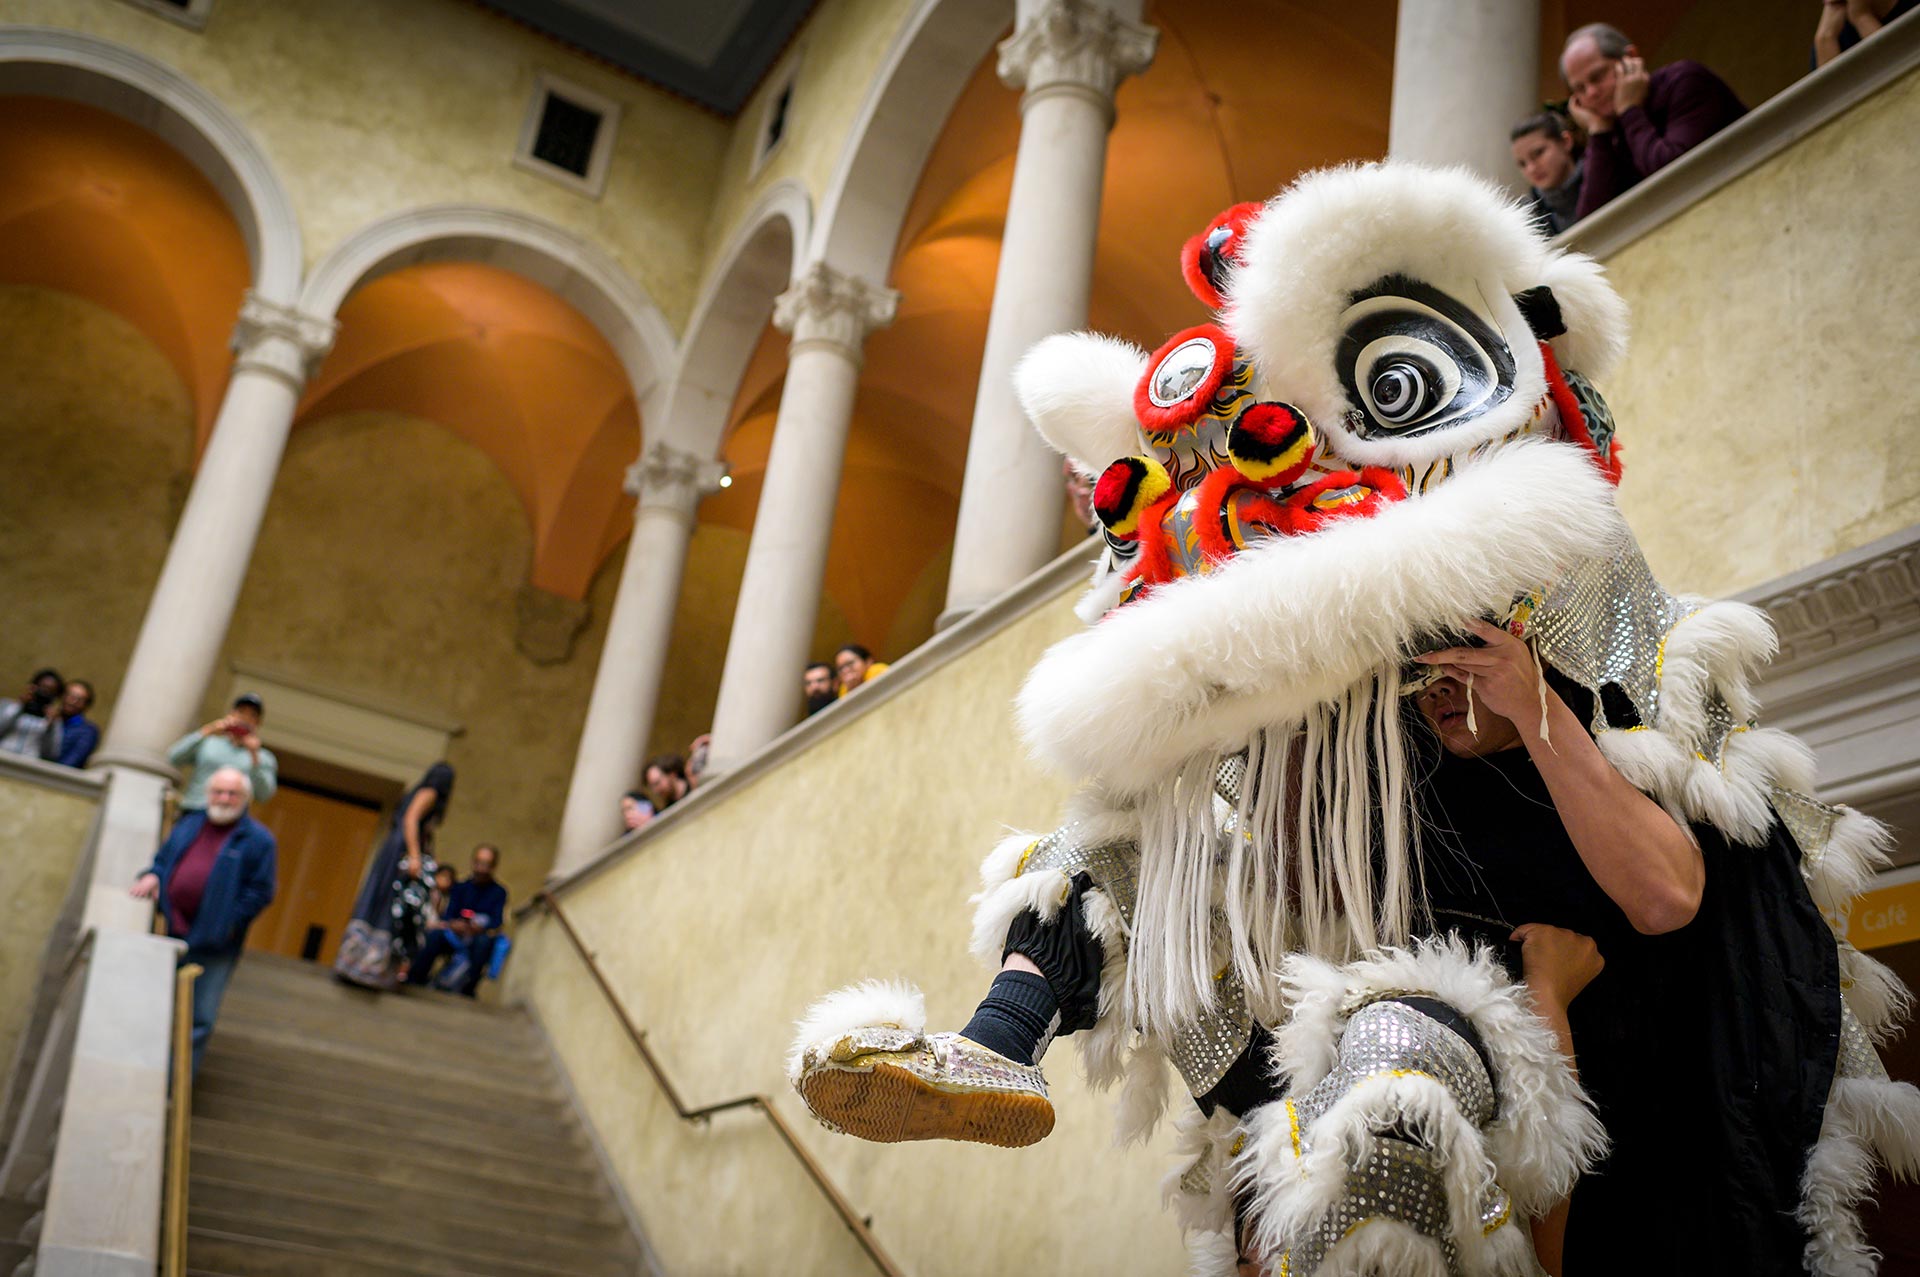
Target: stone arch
column 936, row 52
column 764, row 256
column 46, row 62
column 583, row 276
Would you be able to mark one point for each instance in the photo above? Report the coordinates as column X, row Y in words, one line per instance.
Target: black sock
column 1017, row 1014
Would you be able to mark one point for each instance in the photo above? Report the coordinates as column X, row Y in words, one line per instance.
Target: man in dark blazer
column 210, row 880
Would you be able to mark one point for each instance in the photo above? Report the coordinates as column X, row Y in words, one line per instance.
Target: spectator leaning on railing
column 1845, row 23
column 30, row 726
column 1544, row 149
column 1636, row 121
column 78, row 734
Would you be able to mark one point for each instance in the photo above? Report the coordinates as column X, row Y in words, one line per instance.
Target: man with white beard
column 210, row 880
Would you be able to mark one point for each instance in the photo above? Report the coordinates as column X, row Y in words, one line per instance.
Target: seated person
column 1636, row 121
column 468, row 928
column 433, row 914
column 1543, row 147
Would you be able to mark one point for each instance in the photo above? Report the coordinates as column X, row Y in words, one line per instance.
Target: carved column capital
column 1078, row 47
column 826, row 306
column 670, row 480
column 280, row 340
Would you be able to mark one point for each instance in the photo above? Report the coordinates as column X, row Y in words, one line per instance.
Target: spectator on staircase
column 209, row 881
column 466, row 931
column 230, row 741
column 387, row 926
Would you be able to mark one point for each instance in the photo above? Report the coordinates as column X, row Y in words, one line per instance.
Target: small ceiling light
column 726, row 481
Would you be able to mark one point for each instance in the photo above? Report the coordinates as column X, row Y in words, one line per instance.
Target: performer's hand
column 1556, row 963
column 1502, row 674
column 1630, row 84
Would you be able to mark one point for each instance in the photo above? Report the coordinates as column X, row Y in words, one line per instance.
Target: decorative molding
column 826, row 306
column 282, row 341
column 1869, row 595
column 1776, row 124
column 1075, row 46
column 346, row 729
column 53, row 62
column 673, row 480
column 546, row 624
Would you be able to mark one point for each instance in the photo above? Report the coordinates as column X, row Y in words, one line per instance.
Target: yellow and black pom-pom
column 1126, row 489
column 1270, row 444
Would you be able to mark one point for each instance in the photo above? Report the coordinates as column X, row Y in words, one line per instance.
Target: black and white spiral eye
column 1415, row 360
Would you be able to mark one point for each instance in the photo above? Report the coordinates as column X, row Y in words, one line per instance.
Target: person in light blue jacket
column 232, row 741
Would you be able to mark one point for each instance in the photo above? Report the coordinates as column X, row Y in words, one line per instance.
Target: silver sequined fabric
column 1857, row 1056
column 1203, row 1049
column 1809, row 820
column 1607, row 621
column 1398, row 1178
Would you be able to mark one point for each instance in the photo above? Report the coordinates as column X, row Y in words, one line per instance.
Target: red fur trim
column 1573, row 421
column 1209, row 514
column 1193, row 252
column 1156, row 565
column 1179, row 416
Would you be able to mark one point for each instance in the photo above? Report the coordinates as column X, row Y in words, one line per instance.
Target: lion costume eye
column 1415, row 360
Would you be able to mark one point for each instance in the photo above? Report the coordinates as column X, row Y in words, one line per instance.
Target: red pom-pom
column 1181, row 379
column 1205, row 259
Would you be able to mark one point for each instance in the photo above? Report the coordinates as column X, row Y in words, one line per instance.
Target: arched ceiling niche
column 510, row 367
column 93, row 205
column 1240, row 98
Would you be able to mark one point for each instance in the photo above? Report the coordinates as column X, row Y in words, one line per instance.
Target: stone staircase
column 14, row 1216
column 337, row 1131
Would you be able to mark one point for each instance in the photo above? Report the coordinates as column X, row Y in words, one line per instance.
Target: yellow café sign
column 1885, row 916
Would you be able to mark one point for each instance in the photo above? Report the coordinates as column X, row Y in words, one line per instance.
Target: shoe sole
column 889, row 1105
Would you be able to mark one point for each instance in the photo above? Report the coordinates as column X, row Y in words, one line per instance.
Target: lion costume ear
column 1077, row 389
column 1593, row 314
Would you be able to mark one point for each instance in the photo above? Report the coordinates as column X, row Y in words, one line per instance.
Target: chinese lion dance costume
column 1390, row 432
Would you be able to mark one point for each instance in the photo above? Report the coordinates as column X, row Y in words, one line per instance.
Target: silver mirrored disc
column 1185, row 367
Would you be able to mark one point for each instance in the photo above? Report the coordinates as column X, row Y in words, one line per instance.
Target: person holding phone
column 30, row 726
column 229, row 741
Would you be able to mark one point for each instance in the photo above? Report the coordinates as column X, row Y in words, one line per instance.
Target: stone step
column 574, row 1178
column 575, row 1247
column 13, row 1254
column 389, row 1066
column 469, row 1138
column 210, row 1250
column 400, row 1242
column 479, row 1039
column 484, row 1199
column 349, row 1099
column 14, row 1215
column 272, row 976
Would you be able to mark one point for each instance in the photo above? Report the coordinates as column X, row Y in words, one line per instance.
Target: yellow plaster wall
column 1767, row 403
column 96, row 437
column 854, row 859
column 839, row 49
column 367, row 108
column 42, row 835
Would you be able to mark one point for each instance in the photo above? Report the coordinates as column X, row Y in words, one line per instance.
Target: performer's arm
column 1645, row 862
column 1556, row 964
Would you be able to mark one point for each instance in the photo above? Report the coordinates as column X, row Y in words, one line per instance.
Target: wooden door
column 325, row 841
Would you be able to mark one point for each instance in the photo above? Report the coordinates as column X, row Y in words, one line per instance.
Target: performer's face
column 1443, row 704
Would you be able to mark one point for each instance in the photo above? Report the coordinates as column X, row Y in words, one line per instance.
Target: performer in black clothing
column 1708, row 1041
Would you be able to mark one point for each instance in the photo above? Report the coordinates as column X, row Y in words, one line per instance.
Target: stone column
column 829, row 315
column 626, row 688
column 1067, row 55
column 276, row 348
column 1464, row 73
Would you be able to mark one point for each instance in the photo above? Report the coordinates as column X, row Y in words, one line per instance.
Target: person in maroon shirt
column 210, row 880
column 1637, row 121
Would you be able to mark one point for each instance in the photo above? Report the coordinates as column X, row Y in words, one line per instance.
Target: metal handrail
column 855, row 1225
column 173, row 1240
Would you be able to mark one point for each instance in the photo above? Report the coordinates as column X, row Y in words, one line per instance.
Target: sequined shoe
column 887, row 1080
